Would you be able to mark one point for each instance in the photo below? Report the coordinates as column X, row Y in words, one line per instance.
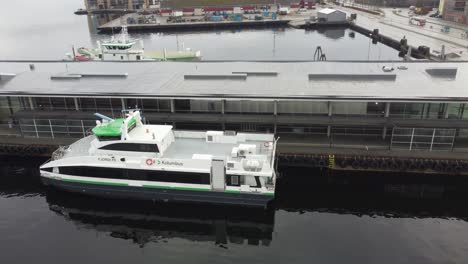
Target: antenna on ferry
column 73, row 51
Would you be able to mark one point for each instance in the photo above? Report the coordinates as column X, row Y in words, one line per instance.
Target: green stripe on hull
column 235, row 191
column 94, row 182
column 182, row 58
column 159, row 187
column 177, row 188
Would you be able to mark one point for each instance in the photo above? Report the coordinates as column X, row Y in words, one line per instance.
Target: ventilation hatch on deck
column 70, row 76
column 447, row 72
column 6, row 76
column 257, row 73
column 215, row 76
column 352, row 77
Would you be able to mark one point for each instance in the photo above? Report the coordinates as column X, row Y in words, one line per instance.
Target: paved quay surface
column 397, row 26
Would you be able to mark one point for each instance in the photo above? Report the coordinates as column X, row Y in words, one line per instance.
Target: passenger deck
column 185, row 148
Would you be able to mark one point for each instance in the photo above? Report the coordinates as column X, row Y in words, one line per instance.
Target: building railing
column 423, row 138
column 52, row 128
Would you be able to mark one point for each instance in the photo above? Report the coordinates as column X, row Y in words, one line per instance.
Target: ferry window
column 233, row 180
column 139, row 175
column 109, row 138
column 257, row 180
column 132, row 147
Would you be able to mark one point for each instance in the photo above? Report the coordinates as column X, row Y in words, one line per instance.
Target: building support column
column 275, row 108
column 172, row 106
column 387, row 110
column 35, row 128
column 77, row 107
column 411, row 142
column 123, row 103
column 386, row 115
column 330, row 112
column 10, row 107
column 446, row 111
column 432, row 140
column 424, row 111
column 275, row 113
column 31, row 105
column 223, row 110
column 51, row 129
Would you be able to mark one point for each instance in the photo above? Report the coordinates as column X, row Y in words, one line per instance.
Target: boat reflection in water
column 145, row 222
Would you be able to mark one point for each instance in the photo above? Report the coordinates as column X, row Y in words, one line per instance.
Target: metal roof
column 420, row 81
column 328, row 11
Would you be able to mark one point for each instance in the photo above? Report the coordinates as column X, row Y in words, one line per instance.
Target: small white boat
column 125, row 158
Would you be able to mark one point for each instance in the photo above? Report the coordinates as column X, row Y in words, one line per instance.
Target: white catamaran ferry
column 125, row 158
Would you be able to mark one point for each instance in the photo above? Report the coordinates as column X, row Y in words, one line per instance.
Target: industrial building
column 331, row 16
column 119, row 4
column 454, row 10
column 402, row 105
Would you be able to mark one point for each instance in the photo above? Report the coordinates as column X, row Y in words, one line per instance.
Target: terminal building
column 454, row 10
column 118, row 4
column 387, row 105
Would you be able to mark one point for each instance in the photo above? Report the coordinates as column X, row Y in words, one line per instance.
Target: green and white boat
column 125, row 158
column 124, row 48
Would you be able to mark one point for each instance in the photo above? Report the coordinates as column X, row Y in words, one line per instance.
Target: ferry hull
column 155, row 194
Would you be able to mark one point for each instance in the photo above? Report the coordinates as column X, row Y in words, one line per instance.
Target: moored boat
column 125, row 158
column 124, row 48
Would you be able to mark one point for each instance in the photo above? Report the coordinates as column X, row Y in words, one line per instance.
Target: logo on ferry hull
column 169, row 163
column 106, row 159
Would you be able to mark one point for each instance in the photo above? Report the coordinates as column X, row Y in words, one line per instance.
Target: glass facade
column 249, row 107
column 156, row 105
column 349, row 108
column 424, row 110
column 423, row 138
column 302, row 108
column 302, row 117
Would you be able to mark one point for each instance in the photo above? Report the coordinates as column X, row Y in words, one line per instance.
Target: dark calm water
column 311, row 223
column 318, row 218
column 47, row 29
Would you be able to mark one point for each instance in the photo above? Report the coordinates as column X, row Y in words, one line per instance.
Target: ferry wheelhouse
column 124, row 48
column 121, row 48
column 125, row 158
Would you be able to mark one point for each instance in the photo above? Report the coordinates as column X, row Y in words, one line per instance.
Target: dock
column 341, row 115
column 161, row 24
column 394, row 27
